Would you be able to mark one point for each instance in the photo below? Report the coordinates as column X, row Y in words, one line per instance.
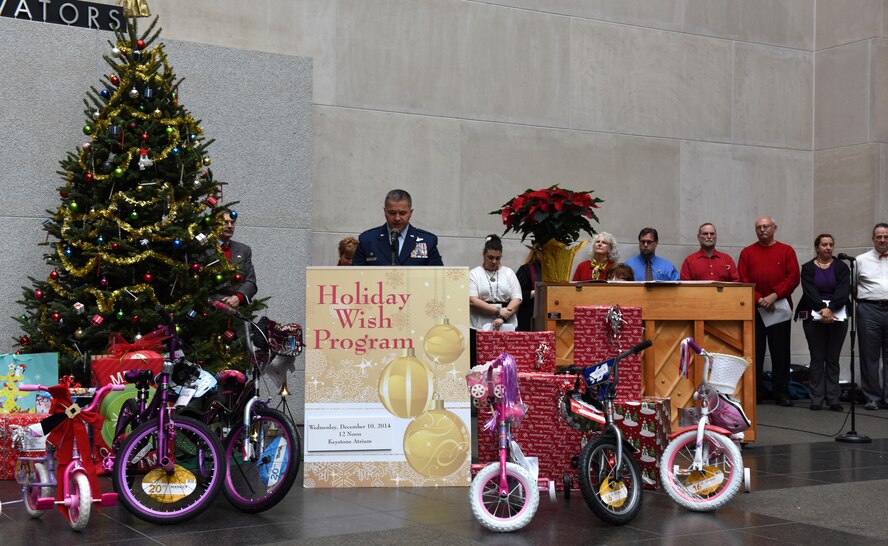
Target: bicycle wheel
column 614, row 501
column 504, row 514
column 258, row 484
column 80, row 501
column 37, row 474
column 706, row 489
column 158, row 496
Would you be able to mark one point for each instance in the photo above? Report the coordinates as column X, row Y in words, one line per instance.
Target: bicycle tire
column 509, row 514
column 79, row 508
column 711, row 488
column 31, row 494
column 255, row 486
column 156, row 496
column 607, row 498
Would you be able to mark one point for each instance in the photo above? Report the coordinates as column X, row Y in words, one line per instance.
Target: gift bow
column 119, row 347
column 135, row 8
column 70, row 426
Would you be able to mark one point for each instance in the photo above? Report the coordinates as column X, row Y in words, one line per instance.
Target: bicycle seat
column 137, row 376
column 231, row 381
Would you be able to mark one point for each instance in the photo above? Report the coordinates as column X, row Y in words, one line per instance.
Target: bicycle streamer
column 66, row 424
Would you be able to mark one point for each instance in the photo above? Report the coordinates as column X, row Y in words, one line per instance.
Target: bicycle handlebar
column 629, row 352
column 99, row 394
column 693, row 345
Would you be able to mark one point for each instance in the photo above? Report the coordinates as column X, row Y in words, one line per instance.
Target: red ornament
column 211, row 202
column 144, row 136
column 56, row 317
column 63, row 193
column 148, row 277
column 135, row 319
column 97, row 320
column 140, row 44
column 115, row 246
column 229, row 335
column 143, row 151
column 89, row 177
column 38, row 294
column 114, row 79
column 238, row 278
column 195, row 267
column 54, row 275
column 24, row 341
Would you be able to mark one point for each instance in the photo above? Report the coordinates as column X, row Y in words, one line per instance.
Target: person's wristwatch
column 497, row 314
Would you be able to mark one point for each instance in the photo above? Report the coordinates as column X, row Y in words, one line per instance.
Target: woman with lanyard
column 826, row 284
column 494, row 293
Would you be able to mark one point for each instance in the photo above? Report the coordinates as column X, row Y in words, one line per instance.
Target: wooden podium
column 719, row 316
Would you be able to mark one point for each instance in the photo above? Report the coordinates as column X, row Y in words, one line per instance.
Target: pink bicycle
column 504, row 495
column 41, row 476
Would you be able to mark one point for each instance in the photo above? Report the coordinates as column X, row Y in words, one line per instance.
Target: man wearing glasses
column 647, row 266
column 774, row 269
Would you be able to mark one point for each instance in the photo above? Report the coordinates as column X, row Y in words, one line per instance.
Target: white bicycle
column 702, row 468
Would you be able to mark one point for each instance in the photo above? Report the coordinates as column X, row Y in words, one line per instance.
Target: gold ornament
column 78, row 333
column 436, row 443
column 406, row 386
column 207, row 161
column 157, row 113
column 135, row 8
column 444, row 343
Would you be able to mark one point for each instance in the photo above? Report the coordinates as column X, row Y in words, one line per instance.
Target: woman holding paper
column 826, row 284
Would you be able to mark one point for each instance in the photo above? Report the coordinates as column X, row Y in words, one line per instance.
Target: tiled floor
column 808, row 490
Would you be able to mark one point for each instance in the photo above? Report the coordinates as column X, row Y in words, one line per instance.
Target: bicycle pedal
column 45, row 503
column 108, row 499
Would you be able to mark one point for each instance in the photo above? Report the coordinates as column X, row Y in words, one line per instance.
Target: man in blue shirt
column 647, row 266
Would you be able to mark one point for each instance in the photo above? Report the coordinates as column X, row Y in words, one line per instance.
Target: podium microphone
column 843, row 256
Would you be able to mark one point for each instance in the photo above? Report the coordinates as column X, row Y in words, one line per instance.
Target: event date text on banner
column 359, row 433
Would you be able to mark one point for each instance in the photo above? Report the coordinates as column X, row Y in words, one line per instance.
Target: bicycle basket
column 725, row 371
column 285, row 339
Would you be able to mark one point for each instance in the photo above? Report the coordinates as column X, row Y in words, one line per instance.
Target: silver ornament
column 134, row 93
column 116, row 51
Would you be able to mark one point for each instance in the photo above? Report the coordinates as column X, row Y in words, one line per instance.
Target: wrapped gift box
column 596, row 340
column 645, row 424
column 532, row 351
column 8, row 453
column 543, row 433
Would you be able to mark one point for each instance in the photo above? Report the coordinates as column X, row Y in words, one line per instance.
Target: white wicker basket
column 725, row 371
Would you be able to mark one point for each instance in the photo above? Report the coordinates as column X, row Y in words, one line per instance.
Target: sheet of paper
column 780, row 313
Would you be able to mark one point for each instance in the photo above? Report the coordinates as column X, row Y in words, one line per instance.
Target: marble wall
column 674, row 111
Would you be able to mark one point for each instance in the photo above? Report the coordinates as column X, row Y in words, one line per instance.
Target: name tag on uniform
column 420, row 251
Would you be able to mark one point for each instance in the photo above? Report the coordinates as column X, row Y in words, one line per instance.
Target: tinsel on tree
column 138, row 225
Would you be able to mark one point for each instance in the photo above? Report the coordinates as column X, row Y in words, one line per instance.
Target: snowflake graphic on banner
column 396, row 278
column 456, row 274
column 345, row 386
column 400, row 320
column 315, row 362
column 435, row 308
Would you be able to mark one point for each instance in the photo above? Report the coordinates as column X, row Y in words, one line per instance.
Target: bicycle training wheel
column 707, row 489
column 260, row 483
column 80, row 499
column 158, row 496
column 509, row 513
column 36, row 474
column 615, row 501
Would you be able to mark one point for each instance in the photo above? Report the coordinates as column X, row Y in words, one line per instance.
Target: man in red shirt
column 774, row 269
column 708, row 264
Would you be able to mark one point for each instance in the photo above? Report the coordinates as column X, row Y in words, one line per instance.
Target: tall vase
column 557, row 260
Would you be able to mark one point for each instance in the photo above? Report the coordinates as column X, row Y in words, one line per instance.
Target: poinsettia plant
column 551, row 213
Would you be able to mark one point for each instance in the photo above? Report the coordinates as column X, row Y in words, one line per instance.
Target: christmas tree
column 137, row 229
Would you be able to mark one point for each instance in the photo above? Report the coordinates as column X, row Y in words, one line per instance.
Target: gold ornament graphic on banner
column 406, row 386
column 437, row 442
column 444, row 343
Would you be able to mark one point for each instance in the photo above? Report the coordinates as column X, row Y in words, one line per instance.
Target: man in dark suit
column 397, row 242
column 241, row 256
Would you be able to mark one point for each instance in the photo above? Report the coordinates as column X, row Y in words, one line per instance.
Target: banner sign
column 71, row 12
column 386, row 353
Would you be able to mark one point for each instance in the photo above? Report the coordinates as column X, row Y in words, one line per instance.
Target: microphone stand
column 851, row 437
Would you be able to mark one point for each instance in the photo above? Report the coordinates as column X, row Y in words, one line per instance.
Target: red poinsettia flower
column 551, row 213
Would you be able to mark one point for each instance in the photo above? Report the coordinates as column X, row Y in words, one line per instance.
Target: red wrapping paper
column 544, row 433
column 8, row 454
column 594, row 342
column 532, row 351
column 122, row 356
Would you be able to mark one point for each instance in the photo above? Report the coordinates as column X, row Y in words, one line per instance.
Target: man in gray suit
column 241, row 256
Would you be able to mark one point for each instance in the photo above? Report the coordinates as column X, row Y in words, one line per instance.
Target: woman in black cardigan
column 826, row 285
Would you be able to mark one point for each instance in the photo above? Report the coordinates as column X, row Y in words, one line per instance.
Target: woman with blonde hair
column 604, row 255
